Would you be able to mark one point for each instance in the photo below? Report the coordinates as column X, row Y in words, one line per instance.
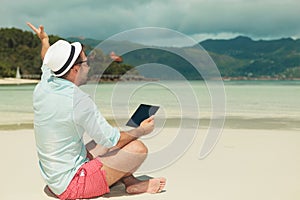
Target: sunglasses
column 81, row 62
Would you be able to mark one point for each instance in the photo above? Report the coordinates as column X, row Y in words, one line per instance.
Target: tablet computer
column 143, row 112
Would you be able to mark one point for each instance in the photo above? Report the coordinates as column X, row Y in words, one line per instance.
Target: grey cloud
column 101, row 19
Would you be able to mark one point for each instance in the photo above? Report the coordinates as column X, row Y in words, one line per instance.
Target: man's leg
column 120, row 164
column 123, row 162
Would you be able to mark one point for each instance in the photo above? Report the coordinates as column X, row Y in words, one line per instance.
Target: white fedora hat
column 60, row 56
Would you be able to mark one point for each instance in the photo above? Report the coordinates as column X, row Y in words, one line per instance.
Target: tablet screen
column 142, row 112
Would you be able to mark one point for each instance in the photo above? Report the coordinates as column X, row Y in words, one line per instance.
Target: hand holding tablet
column 143, row 112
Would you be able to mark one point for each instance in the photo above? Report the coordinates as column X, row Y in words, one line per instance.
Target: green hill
column 245, row 57
column 20, row 49
column 238, row 57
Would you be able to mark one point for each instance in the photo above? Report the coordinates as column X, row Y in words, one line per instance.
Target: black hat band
column 68, row 61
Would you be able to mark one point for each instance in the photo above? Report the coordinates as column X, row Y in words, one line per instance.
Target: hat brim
column 78, row 49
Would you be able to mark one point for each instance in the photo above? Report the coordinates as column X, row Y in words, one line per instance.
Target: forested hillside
column 22, row 49
column 19, row 49
column 242, row 56
column 238, row 57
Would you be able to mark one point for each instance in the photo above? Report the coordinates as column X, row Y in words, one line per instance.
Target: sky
column 198, row 19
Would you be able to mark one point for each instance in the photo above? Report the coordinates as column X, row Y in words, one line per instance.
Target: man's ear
column 76, row 68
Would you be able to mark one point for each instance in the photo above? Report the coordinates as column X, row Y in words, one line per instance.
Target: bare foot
column 155, row 185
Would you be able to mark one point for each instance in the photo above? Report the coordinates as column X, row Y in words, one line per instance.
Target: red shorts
column 88, row 182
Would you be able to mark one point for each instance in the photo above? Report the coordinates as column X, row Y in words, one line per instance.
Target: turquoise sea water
column 248, row 104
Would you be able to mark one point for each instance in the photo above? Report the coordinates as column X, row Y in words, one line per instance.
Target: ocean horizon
column 248, row 104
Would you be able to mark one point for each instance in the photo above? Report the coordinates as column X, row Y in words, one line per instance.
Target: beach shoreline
column 230, row 122
column 17, row 81
column 245, row 164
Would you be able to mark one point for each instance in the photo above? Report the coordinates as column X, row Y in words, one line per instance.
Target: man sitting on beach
column 63, row 112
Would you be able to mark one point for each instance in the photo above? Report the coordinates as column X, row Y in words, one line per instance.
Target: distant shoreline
column 261, row 78
column 231, row 122
column 17, row 81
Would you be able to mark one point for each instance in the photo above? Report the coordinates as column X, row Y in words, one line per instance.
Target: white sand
column 17, row 81
column 245, row 164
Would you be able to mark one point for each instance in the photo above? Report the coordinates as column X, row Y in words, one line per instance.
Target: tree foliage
column 244, row 56
column 22, row 49
column 240, row 56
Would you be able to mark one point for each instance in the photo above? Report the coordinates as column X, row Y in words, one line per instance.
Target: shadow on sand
column 116, row 190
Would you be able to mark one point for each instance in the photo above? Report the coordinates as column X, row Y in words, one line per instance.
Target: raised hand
column 40, row 32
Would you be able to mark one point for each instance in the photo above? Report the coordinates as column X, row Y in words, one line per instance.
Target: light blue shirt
column 62, row 113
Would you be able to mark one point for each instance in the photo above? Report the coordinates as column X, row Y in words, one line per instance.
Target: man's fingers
column 36, row 30
column 40, row 32
column 42, row 28
column 32, row 27
column 148, row 120
column 151, row 118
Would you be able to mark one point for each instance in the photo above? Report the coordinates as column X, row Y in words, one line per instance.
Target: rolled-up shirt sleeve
column 87, row 116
